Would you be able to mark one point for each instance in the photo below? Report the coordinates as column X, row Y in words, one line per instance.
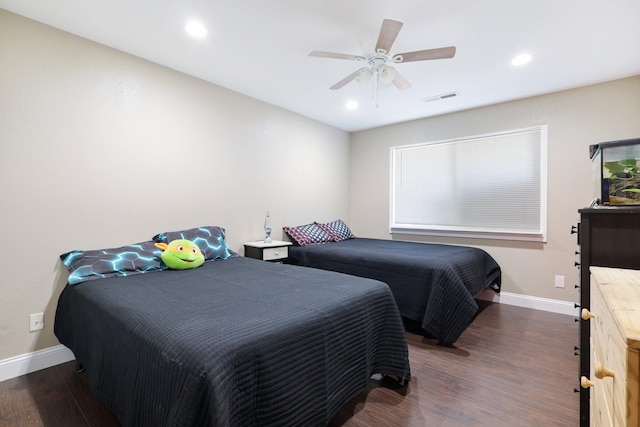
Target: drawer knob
column 586, row 314
column 585, row 383
column 601, row 372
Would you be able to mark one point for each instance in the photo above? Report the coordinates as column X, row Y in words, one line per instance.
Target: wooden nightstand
column 275, row 251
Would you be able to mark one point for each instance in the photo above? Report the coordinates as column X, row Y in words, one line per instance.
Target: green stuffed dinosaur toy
column 181, row 254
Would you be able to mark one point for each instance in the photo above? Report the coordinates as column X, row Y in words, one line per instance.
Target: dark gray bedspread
column 432, row 283
column 238, row 342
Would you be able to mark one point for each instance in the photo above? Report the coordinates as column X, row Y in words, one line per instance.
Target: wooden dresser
column 615, row 347
column 608, row 237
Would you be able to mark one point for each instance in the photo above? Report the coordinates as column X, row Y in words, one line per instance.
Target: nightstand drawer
column 270, row 254
column 273, row 251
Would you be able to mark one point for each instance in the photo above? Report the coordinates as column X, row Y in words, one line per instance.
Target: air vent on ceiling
column 440, row 97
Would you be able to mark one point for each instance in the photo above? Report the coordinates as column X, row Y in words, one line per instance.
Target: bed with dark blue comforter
column 235, row 342
column 433, row 284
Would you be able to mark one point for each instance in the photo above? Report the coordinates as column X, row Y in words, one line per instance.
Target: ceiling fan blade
column 323, row 54
column 400, row 82
column 347, row 79
column 388, row 33
column 422, row 55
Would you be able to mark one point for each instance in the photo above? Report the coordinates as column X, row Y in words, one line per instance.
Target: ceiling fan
column 378, row 71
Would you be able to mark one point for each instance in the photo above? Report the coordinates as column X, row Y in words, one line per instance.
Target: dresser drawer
column 601, row 411
column 615, row 359
column 609, row 351
column 609, row 346
column 601, row 393
column 599, row 336
column 633, row 385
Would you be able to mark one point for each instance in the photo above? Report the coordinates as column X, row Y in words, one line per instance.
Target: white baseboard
column 42, row 359
column 536, row 303
column 34, row 361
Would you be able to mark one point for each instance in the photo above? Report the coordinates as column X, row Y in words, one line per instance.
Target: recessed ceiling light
column 523, row 58
column 196, row 29
column 351, row 105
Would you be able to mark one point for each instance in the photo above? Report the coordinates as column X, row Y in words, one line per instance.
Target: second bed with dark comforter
column 432, row 283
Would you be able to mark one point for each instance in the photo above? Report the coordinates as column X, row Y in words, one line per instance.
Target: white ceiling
column 260, row 48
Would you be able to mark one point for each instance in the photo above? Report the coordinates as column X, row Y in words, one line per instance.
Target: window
column 489, row 186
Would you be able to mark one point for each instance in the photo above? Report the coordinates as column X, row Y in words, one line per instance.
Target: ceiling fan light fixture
column 365, row 77
column 386, row 74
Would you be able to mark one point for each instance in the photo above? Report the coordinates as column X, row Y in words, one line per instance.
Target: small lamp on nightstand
column 267, row 228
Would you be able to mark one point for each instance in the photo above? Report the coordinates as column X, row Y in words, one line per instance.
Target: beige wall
column 101, row 149
column 576, row 119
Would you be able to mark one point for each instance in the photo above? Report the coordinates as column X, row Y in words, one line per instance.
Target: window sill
column 469, row 233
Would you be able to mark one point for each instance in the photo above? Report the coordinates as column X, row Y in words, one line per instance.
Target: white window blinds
column 491, row 186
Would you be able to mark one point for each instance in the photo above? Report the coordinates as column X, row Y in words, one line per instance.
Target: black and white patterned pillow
column 338, row 230
column 308, row 234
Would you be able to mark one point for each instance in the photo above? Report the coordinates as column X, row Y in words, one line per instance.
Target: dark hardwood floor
column 512, row 367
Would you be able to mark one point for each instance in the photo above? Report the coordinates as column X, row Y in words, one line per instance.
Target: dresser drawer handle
column 601, row 372
column 585, row 383
column 586, row 314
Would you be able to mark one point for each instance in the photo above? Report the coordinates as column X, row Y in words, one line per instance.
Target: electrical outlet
column 36, row 322
column 559, row 282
